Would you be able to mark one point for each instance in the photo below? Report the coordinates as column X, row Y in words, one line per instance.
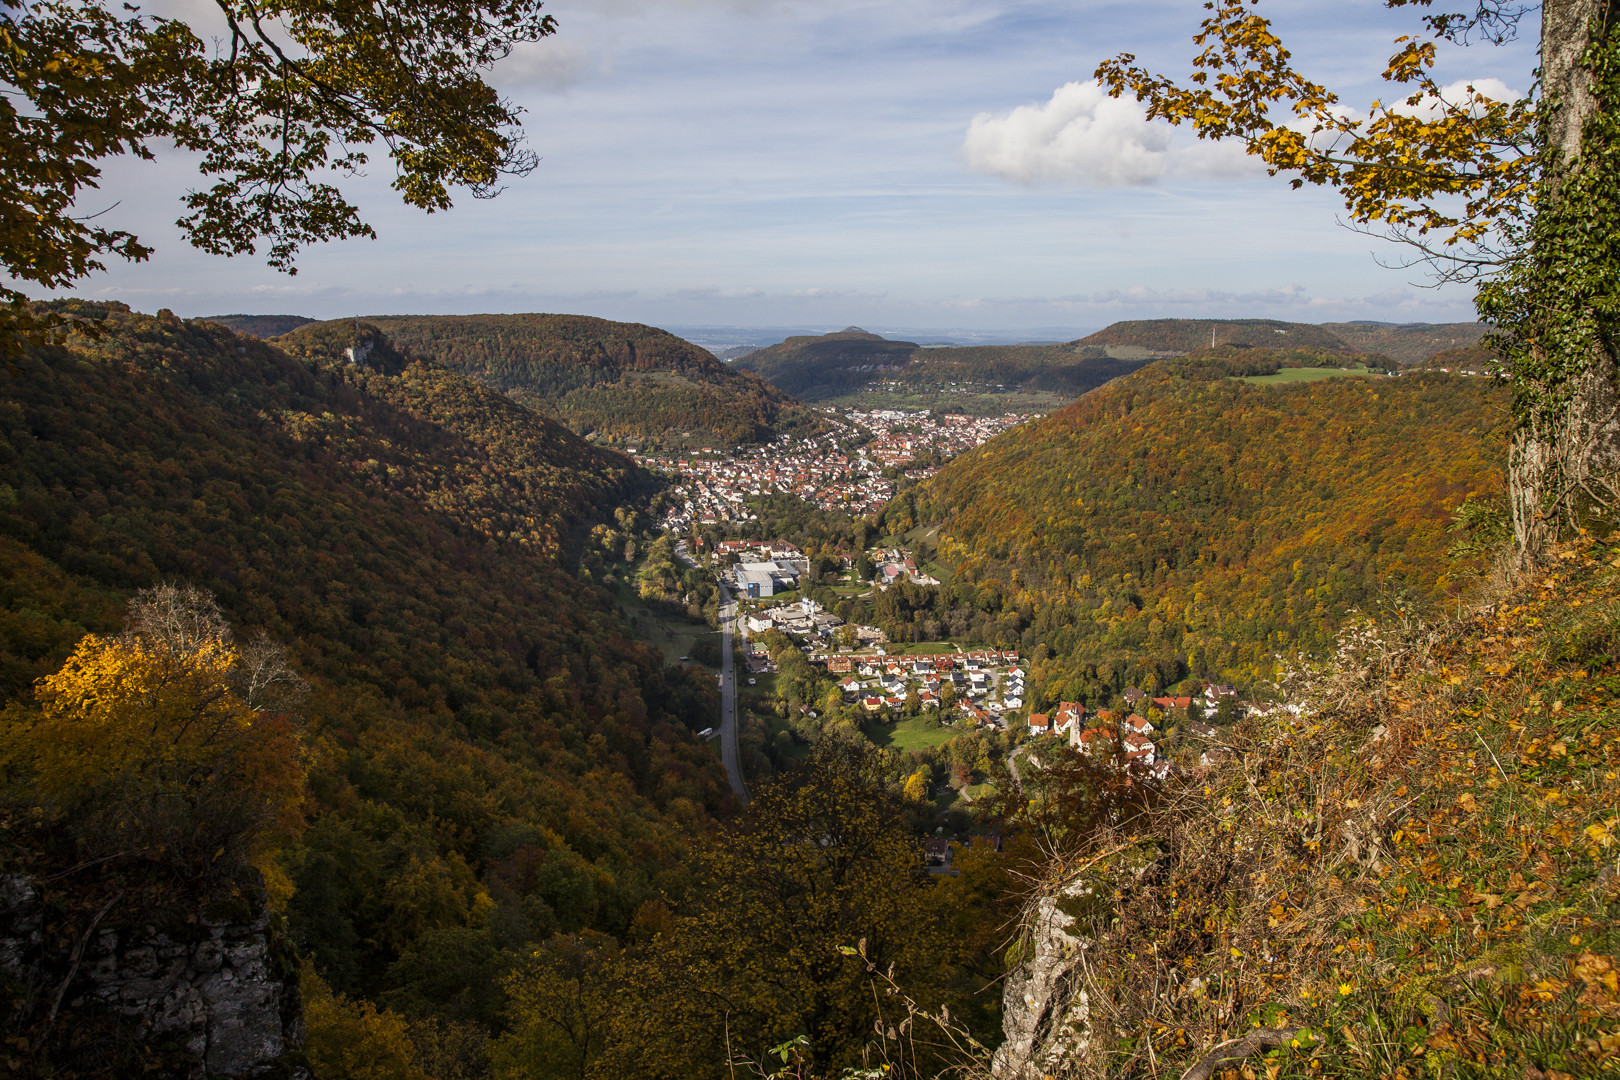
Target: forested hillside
column 814, row 368
column 260, row 326
column 624, row 381
column 1408, row 344
column 851, row 361
column 1187, row 335
column 1179, row 522
column 492, row 758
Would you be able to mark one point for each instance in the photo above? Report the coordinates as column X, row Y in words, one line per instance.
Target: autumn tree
column 819, row 863
column 562, row 1001
column 1523, row 196
column 148, row 743
column 289, row 94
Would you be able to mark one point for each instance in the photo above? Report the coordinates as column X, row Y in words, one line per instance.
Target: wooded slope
column 493, row 758
column 1187, row 335
column 621, row 380
column 1408, row 344
column 850, row 361
column 260, row 326
column 1179, row 522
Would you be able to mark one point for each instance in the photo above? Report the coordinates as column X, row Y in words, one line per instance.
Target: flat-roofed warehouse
column 759, row 579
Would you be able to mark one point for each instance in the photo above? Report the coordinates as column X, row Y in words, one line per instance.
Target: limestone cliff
column 207, row 994
column 1046, row 1012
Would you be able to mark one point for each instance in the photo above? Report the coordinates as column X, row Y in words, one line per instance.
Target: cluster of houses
column 900, row 436
column 986, row 683
column 1129, row 738
column 714, row 486
column 894, row 565
column 799, row 620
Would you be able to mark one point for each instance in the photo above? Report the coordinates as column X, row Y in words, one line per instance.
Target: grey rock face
column 219, row 991
column 1046, row 1014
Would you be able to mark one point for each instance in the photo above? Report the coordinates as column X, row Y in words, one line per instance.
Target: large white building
column 761, row 579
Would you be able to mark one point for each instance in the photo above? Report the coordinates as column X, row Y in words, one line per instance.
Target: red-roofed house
column 1138, row 725
column 1096, row 741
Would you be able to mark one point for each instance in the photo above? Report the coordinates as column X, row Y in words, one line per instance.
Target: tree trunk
column 1564, row 466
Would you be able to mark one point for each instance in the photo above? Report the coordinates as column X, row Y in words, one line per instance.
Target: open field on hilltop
column 1299, row 375
column 918, row 733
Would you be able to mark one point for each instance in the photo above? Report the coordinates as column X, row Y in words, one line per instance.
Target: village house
column 1137, row 725
column 1139, row 748
column 1095, row 741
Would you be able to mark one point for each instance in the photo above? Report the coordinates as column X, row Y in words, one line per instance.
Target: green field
column 916, row 734
column 763, row 684
column 1308, row 374
column 922, row 648
column 673, row 635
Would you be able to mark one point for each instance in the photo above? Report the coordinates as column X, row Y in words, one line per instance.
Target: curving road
column 728, row 695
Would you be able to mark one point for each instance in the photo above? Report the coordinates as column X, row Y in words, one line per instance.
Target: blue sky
column 891, row 163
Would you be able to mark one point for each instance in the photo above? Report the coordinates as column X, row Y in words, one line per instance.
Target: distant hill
column 260, row 326
column 1180, row 522
column 1408, row 344
column 1186, row 335
column 493, row 757
column 851, row 361
column 824, row 366
column 624, row 381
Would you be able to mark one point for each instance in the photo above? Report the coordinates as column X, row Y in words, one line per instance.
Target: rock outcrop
column 1046, row 1013
column 217, row 993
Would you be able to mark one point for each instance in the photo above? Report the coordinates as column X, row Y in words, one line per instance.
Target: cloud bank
column 1083, row 136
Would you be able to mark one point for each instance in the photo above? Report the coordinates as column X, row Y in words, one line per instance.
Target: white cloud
column 1457, row 94
column 1084, row 136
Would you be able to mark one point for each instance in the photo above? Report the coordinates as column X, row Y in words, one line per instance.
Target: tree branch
column 1238, row 1049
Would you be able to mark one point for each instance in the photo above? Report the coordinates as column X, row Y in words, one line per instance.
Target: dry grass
column 1414, row 875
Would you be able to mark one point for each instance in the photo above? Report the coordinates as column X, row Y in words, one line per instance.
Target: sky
column 903, row 165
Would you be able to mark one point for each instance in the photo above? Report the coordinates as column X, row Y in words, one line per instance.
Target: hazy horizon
column 892, row 162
